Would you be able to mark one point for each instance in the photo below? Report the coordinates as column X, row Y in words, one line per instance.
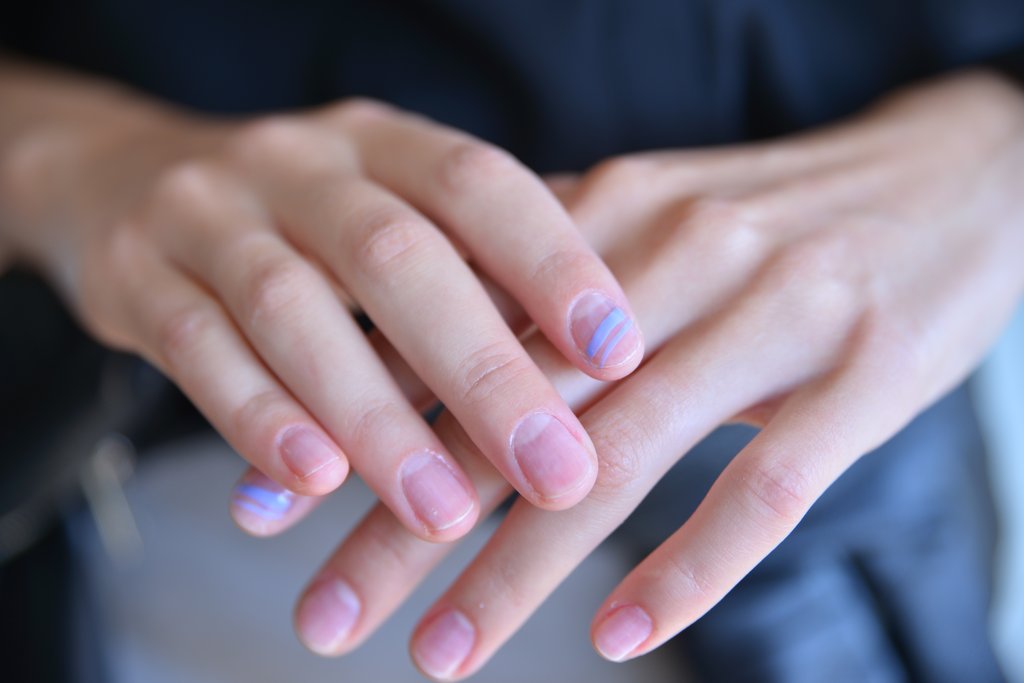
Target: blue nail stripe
column 275, row 502
column 614, row 317
column 256, row 509
column 615, row 340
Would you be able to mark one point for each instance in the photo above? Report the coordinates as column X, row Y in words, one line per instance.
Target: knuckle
column 896, row 347
column 690, row 581
column 813, row 282
column 619, row 173
column 273, row 287
column 188, row 185
column 180, row 333
column 490, row 371
column 620, row 467
column 725, row 226
column 26, row 167
column 272, row 138
column 361, row 109
column 810, row 260
column 627, row 438
column 374, row 418
column 470, row 164
column 778, row 493
column 386, row 241
column 562, row 264
column 259, row 414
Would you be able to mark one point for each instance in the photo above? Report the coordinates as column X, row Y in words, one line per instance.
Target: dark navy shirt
column 561, row 83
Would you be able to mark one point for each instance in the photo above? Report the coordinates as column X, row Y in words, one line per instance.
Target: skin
column 826, row 288
column 233, row 254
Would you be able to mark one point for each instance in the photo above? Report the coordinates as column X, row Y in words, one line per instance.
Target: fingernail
column 443, row 645
column 305, row 452
column 260, row 495
column 622, row 631
column 326, row 615
column 604, row 333
column 437, row 495
column 552, row 460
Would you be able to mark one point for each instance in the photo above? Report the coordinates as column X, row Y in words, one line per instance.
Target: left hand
column 828, row 288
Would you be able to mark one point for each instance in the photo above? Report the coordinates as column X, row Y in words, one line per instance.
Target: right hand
column 232, row 255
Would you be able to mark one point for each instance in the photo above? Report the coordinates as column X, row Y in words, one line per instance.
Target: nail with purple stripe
column 259, row 495
column 603, row 331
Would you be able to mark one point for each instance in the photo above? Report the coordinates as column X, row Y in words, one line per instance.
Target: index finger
column 512, row 226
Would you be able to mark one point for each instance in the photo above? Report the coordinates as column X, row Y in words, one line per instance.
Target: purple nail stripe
column 263, row 502
column 614, row 317
column 615, row 340
column 256, row 509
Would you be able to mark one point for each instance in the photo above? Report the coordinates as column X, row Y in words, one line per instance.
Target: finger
column 755, row 503
column 262, row 507
column 435, row 312
column 380, row 564
column 295, row 322
column 255, row 493
column 512, row 227
column 185, row 333
column 706, row 375
column 418, row 393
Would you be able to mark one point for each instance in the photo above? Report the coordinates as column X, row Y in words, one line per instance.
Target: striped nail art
column 604, row 332
column 265, row 498
column 615, row 320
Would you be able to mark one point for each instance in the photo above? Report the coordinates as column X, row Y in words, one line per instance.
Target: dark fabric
column 1010, row 64
column 561, row 83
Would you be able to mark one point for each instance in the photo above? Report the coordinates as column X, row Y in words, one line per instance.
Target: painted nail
column 604, row 333
column 623, row 630
column 327, row 614
column 305, row 452
column 444, row 644
column 552, row 460
column 437, row 495
column 260, row 495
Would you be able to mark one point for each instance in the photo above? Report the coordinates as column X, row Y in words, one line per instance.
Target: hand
column 225, row 252
column 827, row 288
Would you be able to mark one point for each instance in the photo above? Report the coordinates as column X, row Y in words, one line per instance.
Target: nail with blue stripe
column 604, row 333
column 257, row 494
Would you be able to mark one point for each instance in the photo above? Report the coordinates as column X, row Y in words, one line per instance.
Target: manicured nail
column 438, row 496
column 326, row 615
column 260, row 495
column 552, row 460
column 604, row 333
column 623, row 630
column 444, row 644
column 305, row 452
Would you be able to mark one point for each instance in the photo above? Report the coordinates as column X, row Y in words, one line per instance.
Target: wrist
column 70, row 152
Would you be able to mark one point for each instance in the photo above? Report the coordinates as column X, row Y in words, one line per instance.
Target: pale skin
column 826, row 288
column 233, row 255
